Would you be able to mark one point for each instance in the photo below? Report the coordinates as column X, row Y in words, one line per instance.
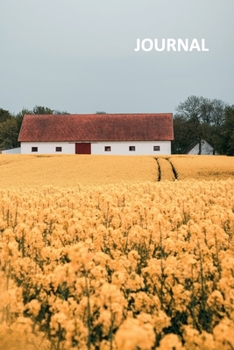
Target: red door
column 83, row 148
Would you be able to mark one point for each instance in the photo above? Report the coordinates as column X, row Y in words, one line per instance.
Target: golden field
column 203, row 167
column 71, row 170
column 134, row 260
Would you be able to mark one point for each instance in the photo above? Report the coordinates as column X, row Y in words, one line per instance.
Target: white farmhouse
column 206, row 148
column 111, row 134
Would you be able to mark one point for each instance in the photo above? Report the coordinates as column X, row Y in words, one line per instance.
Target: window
column 156, row 148
column 132, row 148
column 58, row 149
column 107, row 148
column 34, row 149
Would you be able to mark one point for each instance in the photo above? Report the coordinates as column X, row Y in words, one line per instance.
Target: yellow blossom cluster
column 119, row 266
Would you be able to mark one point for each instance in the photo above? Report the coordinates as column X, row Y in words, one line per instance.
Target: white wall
column 47, row 147
column 117, row 148
column 12, row 151
column 122, row 148
column 206, row 149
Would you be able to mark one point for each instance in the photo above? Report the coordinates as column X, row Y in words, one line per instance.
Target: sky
column 78, row 55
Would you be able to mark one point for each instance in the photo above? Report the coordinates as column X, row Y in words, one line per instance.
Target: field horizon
column 70, row 170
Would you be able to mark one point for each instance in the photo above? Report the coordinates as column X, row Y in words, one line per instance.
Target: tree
column 10, row 125
column 191, row 111
column 4, row 115
column 9, row 134
column 19, row 116
column 183, row 136
column 200, row 118
column 42, row 110
column 10, row 128
column 227, row 134
column 60, row 112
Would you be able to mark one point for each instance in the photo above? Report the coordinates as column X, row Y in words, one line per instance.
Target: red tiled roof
column 97, row 127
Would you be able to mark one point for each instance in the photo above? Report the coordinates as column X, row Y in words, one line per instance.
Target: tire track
column 175, row 174
column 159, row 170
column 166, row 170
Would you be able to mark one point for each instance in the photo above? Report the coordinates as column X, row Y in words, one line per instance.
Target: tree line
column 10, row 124
column 196, row 119
column 200, row 118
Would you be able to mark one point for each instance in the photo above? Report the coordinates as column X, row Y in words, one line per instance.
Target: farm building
column 206, row 148
column 116, row 134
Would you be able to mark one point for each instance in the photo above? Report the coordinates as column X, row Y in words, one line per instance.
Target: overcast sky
column 78, row 55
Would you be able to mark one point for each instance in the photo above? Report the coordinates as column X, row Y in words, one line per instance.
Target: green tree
column 60, row 112
column 183, row 135
column 9, row 134
column 10, row 127
column 199, row 118
column 42, row 110
column 4, row 115
column 35, row 110
column 227, row 135
column 19, row 116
